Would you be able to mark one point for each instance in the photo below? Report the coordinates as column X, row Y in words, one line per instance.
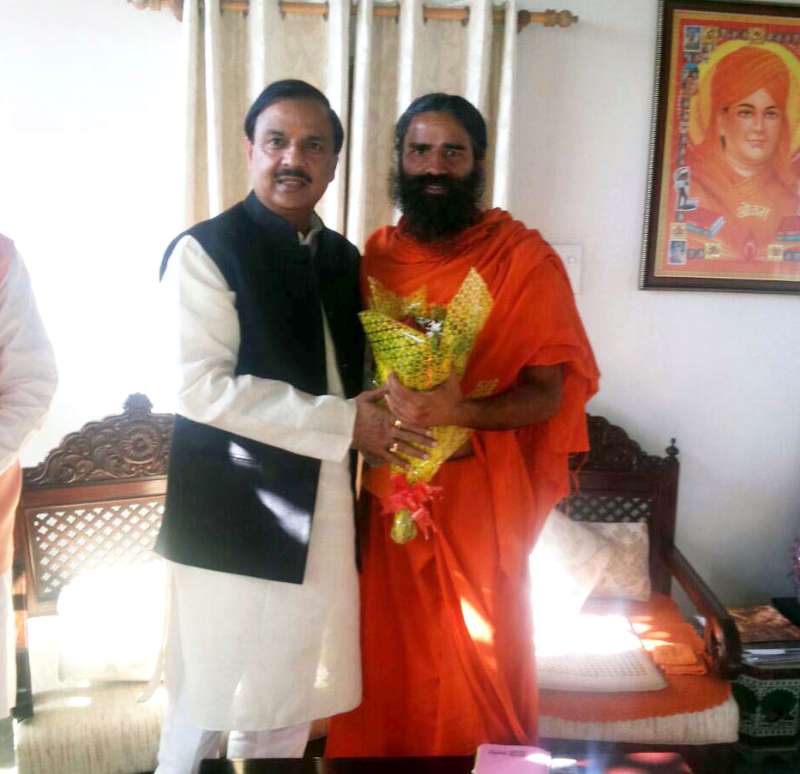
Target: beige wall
column 721, row 372
column 90, row 142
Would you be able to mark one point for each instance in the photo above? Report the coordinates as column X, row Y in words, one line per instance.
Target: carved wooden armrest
column 720, row 634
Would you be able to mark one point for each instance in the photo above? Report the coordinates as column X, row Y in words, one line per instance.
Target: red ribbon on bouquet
column 414, row 498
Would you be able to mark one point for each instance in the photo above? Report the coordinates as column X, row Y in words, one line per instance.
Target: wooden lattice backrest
column 96, row 501
column 618, row 482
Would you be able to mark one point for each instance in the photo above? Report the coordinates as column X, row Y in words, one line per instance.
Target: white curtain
column 369, row 66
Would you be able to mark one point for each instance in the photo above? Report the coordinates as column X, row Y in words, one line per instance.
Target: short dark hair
column 461, row 109
column 292, row 89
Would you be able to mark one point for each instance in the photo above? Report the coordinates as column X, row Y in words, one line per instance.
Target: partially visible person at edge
column 446, row 622
column 27, row 383
column 258, row 529
column 742, row 169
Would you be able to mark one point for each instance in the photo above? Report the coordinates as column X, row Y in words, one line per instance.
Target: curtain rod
column 548, row 18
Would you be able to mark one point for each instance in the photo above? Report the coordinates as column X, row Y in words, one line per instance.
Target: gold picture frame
column 723, row 200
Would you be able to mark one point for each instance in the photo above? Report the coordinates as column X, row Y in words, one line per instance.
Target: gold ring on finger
column 394, row 447
column 398, row 423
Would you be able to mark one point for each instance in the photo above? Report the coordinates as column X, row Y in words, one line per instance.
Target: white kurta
column 27, row 384
column 27, row 366
column 254, row 654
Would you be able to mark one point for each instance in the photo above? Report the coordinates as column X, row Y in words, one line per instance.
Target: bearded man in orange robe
column 742, row 169
column 446, row 621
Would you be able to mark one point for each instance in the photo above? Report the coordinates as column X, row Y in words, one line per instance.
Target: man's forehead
column 437, row 125
column 293, row 115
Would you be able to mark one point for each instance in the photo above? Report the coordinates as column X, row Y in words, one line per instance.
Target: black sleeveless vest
column 234, row 504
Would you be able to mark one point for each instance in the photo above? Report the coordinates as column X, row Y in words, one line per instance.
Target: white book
column 511, row 759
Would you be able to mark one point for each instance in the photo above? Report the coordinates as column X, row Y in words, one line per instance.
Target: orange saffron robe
column 446, row 626
column 753, row 207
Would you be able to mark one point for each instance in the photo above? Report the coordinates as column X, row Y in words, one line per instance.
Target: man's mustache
column 418, row 183
column 298, row 173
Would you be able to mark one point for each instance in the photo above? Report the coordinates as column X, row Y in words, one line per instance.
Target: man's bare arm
column 535, row 398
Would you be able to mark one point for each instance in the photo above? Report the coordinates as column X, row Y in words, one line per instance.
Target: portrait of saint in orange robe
column 742, row 182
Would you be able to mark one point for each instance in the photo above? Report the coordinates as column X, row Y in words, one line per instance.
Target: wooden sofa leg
column 24, row 706
column 24, row 702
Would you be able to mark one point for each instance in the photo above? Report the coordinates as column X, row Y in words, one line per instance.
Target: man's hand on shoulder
column 380, row 435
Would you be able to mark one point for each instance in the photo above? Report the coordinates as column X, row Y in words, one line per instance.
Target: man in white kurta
column 27, row 384
column 247, row 653
column 267, row 655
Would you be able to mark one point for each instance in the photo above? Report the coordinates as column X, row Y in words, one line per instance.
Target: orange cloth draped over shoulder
column 753, row 207
column 446, row 625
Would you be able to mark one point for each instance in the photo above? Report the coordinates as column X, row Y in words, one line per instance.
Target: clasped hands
column 394, row 419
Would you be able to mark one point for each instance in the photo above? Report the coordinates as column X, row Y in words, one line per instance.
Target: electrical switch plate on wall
column 572, row 256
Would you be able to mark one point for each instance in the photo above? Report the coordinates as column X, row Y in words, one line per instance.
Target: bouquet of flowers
column 421, row 344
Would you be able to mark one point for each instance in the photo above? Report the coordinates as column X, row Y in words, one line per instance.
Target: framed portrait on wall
column 723, row 199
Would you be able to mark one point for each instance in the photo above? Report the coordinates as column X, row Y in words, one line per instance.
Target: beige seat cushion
column 102, row 728
column 692, row 708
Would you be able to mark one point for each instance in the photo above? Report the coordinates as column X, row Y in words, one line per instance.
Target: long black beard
column 436, row 217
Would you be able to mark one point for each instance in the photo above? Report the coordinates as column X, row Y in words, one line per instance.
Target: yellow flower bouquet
column 421, row 344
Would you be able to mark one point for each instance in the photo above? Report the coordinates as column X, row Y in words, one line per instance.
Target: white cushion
column 565, row 565
column 111, row 623
column 627, row 575
column 593, row 652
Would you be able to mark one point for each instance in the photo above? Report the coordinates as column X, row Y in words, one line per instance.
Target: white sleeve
column 204, row 326
column 27, row 365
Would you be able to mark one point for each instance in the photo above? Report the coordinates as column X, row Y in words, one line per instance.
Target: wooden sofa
column 618, row 482
column 97, row 501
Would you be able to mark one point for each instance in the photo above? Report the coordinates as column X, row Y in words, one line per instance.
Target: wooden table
column 621, row 763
